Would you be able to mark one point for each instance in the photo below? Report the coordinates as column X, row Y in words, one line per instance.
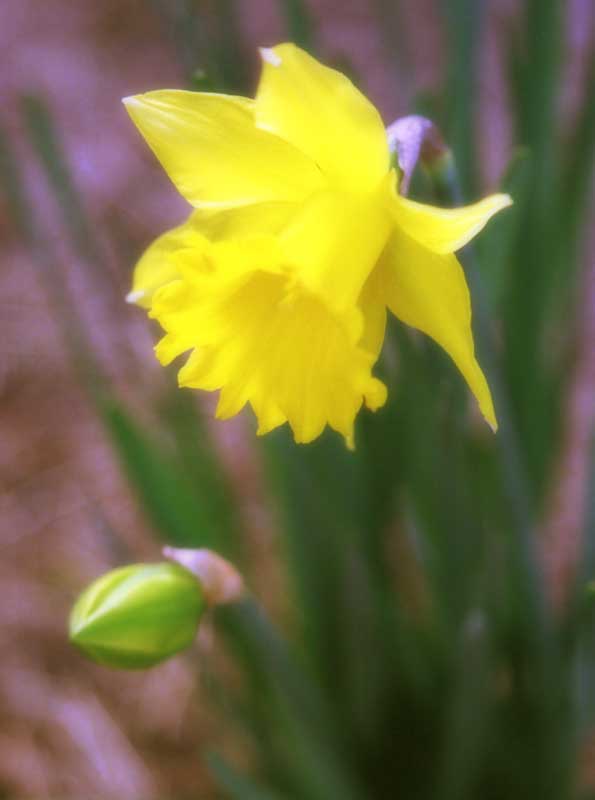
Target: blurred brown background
column 69, row 729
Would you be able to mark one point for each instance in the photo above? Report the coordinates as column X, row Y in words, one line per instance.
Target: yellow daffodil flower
column 279, row 281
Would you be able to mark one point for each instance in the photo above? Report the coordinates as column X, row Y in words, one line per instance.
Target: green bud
column 136, row 616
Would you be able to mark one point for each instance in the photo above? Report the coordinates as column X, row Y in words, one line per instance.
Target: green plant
column 420, row 655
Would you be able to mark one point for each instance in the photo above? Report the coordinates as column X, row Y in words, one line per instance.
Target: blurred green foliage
column 420, row 657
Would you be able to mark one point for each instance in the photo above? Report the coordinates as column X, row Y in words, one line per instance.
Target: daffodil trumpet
column 279, row 282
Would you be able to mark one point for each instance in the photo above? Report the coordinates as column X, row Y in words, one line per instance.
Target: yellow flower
column 279, row 281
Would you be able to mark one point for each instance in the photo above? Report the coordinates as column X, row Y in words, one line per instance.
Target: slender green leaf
column 238, row 786
column 173, row 503
column 299, row 24
column 48, row 148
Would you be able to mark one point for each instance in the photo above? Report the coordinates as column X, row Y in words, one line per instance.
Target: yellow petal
column 234, row 223
column 157, row 266
column 445, row 230
column 372, row 303
column 209, row 146
column 262, row 339
column 321, row 112
column 429, row 292
column 160, row 263
column 334, row 242
column 174, row 306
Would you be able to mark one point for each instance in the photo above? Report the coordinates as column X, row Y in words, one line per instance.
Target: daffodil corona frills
column 278, row 283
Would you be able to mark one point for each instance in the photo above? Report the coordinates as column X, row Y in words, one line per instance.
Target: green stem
column 444, row 176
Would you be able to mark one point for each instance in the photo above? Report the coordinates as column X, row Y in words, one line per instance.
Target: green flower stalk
column 137, row 616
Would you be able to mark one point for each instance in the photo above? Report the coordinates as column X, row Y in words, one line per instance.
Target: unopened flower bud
column 412, row 139
column 136, row 616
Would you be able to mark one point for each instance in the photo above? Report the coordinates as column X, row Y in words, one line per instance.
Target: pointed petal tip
column 489, row 416
column 135, row 296
column 505, row 200
column 270, row 56
column 131, row 100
